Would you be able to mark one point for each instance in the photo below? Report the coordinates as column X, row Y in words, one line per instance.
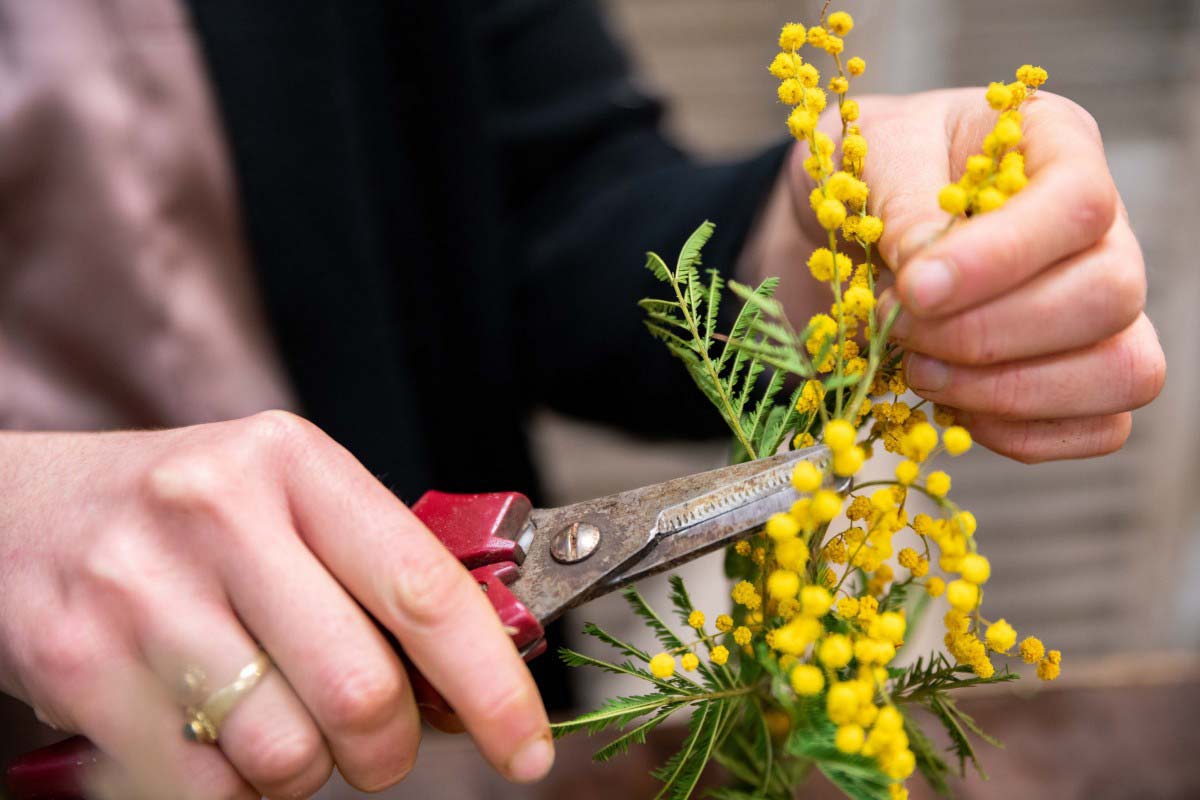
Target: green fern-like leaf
column 666, row 637
column 616, row 712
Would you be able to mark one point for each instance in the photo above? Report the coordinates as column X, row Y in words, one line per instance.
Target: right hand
column 125, row 558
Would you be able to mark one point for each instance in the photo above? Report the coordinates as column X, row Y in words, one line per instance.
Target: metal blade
column 722, row 516
column 614, row 540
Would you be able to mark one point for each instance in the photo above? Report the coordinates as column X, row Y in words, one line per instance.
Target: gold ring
column 204, row 718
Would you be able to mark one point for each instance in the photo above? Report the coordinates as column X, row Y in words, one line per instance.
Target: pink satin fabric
column 126, row 297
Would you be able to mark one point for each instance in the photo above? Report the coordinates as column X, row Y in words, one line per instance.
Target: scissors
column 536, row 563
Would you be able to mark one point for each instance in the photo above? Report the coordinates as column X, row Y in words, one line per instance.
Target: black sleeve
column 592, row 184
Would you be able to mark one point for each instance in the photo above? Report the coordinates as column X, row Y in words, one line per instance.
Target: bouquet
column 801, row 673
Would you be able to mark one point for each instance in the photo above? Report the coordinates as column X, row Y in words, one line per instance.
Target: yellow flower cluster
column 996, row 174
column 825, row 605
column 662, row 665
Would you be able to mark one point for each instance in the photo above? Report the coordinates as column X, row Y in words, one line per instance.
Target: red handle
column 481, row 530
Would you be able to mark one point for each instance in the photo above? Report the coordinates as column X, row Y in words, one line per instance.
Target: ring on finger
column 204, row 718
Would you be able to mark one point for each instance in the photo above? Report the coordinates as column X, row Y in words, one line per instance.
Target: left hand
column 1028, row 319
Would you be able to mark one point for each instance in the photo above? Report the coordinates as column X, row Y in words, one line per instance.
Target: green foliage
column 742, row 373
column 716, row 703
column 744, row 715
column 928, row 682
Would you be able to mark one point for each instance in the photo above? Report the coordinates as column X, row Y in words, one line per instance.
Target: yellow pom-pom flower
column 719, row 655
column 953, row 199
column 839, row 435
column 810, row 399
column 849, row 738
column 831, row 213
column 848, row 462
column 784, row 65
column 826, row 505
column 801, row 123
column 782, row 526
column 1007, row 132
column 963, row 596
column 783, row 584
column 1001, row 636
column 791, row 554
column 840, row 23
column 836, row 651
column 975, row 569
column 823, row 262
column 662, row 665
column 999, row 96
column 1048, row 670
column 842, row 703
column 807, row 680
column 935, row 586
column 907, row 471
column 1032, row 650
column 815, row 601
column 937, row 484
column 815, row 100
column 856, row 66
column 724, row 623
column 791, row 92
column 689, row 662
column 792, row 37
column 957, row 440
column 870, row 229
column 696, row 619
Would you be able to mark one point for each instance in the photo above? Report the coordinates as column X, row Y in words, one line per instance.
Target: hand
column 1027, row 319
column 129, row 557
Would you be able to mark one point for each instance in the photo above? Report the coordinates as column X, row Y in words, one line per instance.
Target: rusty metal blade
column 653, row 528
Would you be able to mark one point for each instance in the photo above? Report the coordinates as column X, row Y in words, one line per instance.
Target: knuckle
column 400, row 763
column 281, row 758
column 1141, row 366
column 977, row 340
column 1025, row 445
column 1008, row 390
column 514, row 707
column 63, row 656
column 430, row 588
column 120, row 565
column 1112, row 435
column 276, row 428
column 1095, row 207
column 1125, row 291
column 362, row 698
column 194, row 483
column 1086, row 118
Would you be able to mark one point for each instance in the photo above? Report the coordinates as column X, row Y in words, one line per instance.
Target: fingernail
column 926, row 374
column 930, row 284
column 903, row 323
column 532, row 761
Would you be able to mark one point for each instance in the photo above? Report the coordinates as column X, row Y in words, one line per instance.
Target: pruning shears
column 536, row 563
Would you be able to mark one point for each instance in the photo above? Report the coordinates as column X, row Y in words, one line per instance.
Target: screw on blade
column 575, row 542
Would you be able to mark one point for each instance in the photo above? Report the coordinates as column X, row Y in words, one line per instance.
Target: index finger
column 1068, row 205
column 403, row 575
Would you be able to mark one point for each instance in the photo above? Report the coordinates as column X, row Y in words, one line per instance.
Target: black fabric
column 448, row 205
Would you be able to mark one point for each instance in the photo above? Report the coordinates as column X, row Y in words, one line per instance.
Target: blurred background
column 1101, row 557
